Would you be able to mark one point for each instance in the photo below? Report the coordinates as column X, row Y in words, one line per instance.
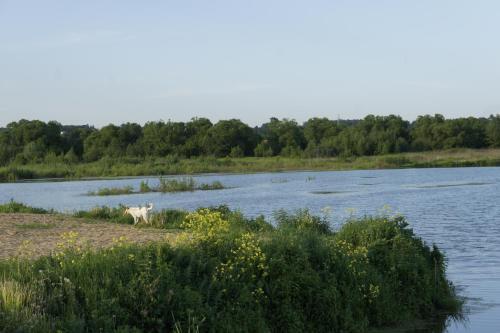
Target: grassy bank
column 184, row 184
column 230, row 273
column 173, row 166
column 18, row 207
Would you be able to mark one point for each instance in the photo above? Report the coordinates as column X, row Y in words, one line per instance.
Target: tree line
column 34, row 141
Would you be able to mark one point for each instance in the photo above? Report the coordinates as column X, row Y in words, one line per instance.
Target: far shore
column 169, row 166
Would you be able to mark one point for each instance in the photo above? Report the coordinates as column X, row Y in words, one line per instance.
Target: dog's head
column 125, row 212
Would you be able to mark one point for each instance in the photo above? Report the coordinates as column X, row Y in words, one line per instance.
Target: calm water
column 458, row 209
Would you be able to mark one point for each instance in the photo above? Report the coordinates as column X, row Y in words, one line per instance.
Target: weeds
column 174, row 166
column 17, row 207
column 232, row 274
column 112, row 191
column 165, row 185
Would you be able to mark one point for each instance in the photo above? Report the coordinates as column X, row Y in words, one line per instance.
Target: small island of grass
column 164, row 186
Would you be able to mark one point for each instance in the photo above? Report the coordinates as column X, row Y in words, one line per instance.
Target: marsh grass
column 176, row 185
column 112, row 214
column 13, row 296
column 144, row 187
column 163, row 219
column 215, row 185
column 232, row 273
column 17, row 207
column 112, row 191
column 186, row 184
column 169, row 166
column 165, row 185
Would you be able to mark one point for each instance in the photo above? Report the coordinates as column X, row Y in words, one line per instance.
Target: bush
column 302, row 220
column 298, row 277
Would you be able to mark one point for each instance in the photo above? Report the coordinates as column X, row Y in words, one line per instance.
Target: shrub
column 206, row 226
column 373, row 272
column 302, row 220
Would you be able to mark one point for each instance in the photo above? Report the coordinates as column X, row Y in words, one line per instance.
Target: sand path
column 40, row 233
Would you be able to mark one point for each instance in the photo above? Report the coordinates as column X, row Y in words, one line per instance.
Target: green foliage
column 168, row 219
column 372, row 273
column 302, row 220
column 493, row 131
column 163, row 219
column 215, row 185
column 17, row 207
column 176, row 185
column 159, row 148
column 165, row 185
column 106, row 213
column 231, row 134
column 263, row 149
column 161, row 166
column 144, row 187
column 112, row 191
column 237, row 152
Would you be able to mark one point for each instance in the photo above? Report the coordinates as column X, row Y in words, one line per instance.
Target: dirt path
column 41, row 232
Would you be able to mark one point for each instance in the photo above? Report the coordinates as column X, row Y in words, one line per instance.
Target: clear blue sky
column 104, row 61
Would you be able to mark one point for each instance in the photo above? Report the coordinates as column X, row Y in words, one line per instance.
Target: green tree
column 197, row 133
column 283, row 133
column 227, row 134
column 493, row 131
column 162, row 139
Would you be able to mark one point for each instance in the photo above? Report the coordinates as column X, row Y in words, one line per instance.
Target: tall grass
column 170, row 166
column 177, row 185
column 165, row 185
column 112, row 191
column 236, row 274
column 17, row 207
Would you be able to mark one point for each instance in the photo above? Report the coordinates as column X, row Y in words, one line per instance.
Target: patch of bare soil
column 40, row 233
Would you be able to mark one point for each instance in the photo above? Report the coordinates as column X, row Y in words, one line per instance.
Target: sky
column 101, row 62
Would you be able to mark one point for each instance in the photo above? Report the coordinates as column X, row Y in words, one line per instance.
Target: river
column 456, row 208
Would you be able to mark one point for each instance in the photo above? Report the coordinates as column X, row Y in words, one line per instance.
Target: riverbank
column 225, row 272
column 35, row 235
column 174, row 166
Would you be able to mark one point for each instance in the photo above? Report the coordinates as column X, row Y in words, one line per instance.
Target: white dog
column 138, row 212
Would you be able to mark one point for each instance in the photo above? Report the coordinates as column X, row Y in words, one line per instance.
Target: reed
column 170, row 166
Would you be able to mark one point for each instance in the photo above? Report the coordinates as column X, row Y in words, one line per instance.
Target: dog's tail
column 150, row 206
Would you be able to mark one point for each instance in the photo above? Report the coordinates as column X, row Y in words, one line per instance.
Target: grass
column 165, row 185
column 163, row 219
column 34, row 226
column 17, row 207
column 216, row 185
column 172, row 166
column 112, row 191
column 230, row 273
column 176, row 185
